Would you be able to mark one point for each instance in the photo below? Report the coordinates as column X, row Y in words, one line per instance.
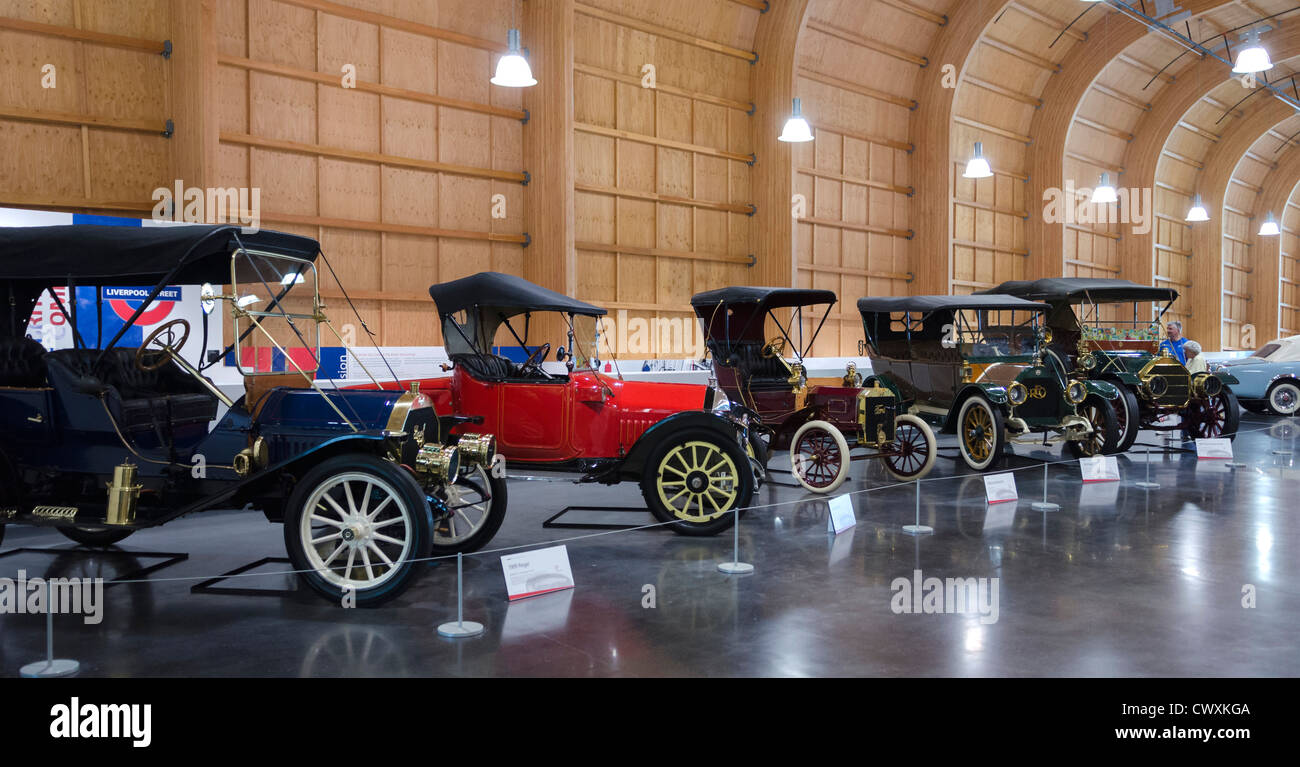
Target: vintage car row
column 1110, row 330
column 689, row 449
column 809, row 418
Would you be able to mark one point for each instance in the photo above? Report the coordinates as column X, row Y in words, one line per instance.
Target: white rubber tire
column 819, row 484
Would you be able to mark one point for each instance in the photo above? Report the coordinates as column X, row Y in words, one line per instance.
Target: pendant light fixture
column 1104, row 193
column 1269, row 228
column 978, row 167
column 1252, row 57
column 797, row 130
column 513, row 70
column 1197, row 212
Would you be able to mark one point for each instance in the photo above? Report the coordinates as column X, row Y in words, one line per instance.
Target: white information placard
column 1218, row 448
column 841, row 517
column 1100, row 468
column 540, row 571
column 1000, row 488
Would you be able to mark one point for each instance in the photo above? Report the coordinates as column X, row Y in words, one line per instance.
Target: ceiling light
column 978, row 167
column 1252, row 57
column 513, row 70
column 1198, row 212
column 1104, row 193
column 797, row 130
column 1269, row 228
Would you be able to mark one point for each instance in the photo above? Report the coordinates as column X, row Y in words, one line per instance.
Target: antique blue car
column 103, row 439
column 1268, row 381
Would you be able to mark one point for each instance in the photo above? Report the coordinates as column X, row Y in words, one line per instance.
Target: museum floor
column 1120, row 581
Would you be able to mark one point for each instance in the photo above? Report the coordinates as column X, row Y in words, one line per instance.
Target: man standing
column 1174, row 341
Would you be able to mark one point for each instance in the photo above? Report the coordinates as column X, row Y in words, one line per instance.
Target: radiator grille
column 1179, row 380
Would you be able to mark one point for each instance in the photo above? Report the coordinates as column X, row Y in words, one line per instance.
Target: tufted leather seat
column 486, row 367
column 749, row 358
column 22, row 363
column 167, row 395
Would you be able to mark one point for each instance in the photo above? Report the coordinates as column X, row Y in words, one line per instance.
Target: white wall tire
column 819, row 457
column 352, row 527
column 1284, row 398
column 981, row 434
column 912, row 431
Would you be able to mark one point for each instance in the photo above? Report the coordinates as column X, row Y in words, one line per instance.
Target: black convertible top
column 504, row 292
column 33, row 258
column 114, row 255
column 939, row 303
column 1074, row 289
column 771, row 298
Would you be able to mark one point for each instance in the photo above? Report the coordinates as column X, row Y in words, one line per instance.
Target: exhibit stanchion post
column 735, row 566
column 50, row 667
column 916, row 528
column 1045, row 505
column 461, row 628
column 1148, row 484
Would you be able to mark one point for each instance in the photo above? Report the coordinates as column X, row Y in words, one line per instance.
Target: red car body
column 584, row 415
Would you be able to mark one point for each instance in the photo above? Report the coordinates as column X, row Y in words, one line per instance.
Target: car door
column 533, row 419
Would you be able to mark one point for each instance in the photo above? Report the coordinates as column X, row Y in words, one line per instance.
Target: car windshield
column 1267, row 350
column 277, row 312
column 993, row 332
column 1119, row 321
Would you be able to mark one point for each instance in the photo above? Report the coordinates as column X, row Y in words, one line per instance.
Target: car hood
column 368, row 410
column 646, row 395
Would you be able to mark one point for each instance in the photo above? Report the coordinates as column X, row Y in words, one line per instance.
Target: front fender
column 990, row 391
column 1104, row 389
column 634, row 463
column 1226, row 377
column 269, row 487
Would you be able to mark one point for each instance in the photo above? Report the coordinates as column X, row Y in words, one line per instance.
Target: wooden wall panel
column 661, row 174
column 93, row 142
column 389, row 226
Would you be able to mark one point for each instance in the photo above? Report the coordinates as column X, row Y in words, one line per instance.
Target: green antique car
column 1110, row 330
column 976, row 366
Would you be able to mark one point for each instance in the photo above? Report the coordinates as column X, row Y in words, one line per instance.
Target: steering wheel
column 774, row 348
column 534, row 360
column 170, row 347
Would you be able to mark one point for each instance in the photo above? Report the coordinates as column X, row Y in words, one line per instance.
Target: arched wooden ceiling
column 1053, row 106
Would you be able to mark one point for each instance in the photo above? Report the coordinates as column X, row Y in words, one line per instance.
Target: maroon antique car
column 810, row 418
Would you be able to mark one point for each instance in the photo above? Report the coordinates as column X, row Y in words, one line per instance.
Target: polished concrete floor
column 1120, row 581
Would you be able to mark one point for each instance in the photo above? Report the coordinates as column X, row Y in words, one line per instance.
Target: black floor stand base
column 209, row 586
column 168, row 558
column 552, row 524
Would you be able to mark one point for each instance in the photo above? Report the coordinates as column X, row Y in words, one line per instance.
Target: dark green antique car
column 1110, row 330
column 976, row 366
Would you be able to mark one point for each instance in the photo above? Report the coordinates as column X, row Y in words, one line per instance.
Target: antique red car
column 810, row 417
column 683, row 443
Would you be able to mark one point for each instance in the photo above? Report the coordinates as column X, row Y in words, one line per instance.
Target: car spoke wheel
column 917, row 448
column 476, row 507
column 354, row 524
column 819, row 457
column 981, row 434
column 1284, row 398
column 1208, row 417
column 696, row 480
column 1128, row 418
column 1105, row 435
